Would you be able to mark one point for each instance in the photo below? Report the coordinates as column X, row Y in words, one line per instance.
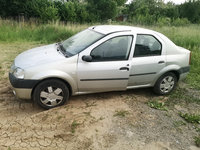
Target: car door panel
column 99, row 76
column 144, row 67
column 103, row 76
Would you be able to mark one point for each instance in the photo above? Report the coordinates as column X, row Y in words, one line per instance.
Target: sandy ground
column 114, row 121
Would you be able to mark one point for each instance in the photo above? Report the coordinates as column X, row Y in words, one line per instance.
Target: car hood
column 38, row 56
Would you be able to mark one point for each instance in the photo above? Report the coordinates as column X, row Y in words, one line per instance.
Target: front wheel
column 51, row 93
column 165, row 84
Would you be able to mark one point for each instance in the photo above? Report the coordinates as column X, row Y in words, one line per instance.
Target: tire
column 51, row 93
column 165, row 84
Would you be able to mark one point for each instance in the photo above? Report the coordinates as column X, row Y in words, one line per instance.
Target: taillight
column 190, row 58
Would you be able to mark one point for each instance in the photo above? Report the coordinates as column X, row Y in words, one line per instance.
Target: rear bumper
column 183, row 76
column 183, row 72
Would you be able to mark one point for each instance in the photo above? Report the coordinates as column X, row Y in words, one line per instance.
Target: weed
column 198, row 130
column 157, row 105
column 191, row 118
column 197, row 141
column 74, row 126
column 179, row 123
column 121, row 113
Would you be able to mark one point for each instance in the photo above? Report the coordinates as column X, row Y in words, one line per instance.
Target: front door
column 110, row 66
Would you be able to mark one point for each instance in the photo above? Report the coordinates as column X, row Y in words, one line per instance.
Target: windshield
column 80, row 41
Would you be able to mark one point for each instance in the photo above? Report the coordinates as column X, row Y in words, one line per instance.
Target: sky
column 174, row 1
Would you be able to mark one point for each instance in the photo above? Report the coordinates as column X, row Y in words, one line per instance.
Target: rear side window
column 147, row 45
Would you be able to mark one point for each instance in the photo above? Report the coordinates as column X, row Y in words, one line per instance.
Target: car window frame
column 113, row 38
column 148, row 35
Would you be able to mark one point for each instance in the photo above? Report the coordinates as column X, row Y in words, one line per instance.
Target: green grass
column 191, row 118
column 197, row 141
column 11, row 31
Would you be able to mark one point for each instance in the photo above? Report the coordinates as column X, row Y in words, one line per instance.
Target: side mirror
column 87, row 58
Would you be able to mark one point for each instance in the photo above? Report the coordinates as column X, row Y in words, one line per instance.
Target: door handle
column 124, row 68
column 161, row 62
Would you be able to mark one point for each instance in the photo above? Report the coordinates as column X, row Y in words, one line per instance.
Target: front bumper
column 22, row 87
column 22, row 93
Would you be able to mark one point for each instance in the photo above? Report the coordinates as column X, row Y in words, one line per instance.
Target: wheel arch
column 177, row 73
column 55, row 78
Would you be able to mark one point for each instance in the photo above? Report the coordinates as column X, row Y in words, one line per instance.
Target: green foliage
column 197, row 141
column 191, row 11
column 102, row 10
column 191, row 118
column 74, row 126
column 157, row 105
column 12, row 7
column 45, row 9
column 180, row 22
column 145, row 12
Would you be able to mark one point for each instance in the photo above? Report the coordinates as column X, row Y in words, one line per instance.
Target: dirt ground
column 114, row 121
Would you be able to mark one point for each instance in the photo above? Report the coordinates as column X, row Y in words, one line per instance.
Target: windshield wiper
column 61, row 49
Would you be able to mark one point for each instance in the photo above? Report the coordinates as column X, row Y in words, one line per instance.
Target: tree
column 191, row 11
column 104, row 9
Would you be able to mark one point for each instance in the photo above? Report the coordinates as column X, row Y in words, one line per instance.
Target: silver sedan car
column 98, row 59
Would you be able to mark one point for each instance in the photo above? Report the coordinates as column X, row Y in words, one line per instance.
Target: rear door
column 110, row 66
column 148, row 60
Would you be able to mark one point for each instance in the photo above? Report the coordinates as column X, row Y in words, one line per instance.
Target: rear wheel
column 165, row 84
column 51, row 93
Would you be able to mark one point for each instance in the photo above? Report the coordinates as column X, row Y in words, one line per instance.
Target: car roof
column 108, row 29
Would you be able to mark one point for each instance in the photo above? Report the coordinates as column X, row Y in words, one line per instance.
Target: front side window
column 147, row 45
column 114, row 49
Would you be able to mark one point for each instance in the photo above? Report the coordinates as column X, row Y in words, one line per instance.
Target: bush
column 180, row 22
column 163, row 21
column 143, row 20
column 45, row 9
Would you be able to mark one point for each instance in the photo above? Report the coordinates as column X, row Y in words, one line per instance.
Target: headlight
column 12, row 68
column 19, row 73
